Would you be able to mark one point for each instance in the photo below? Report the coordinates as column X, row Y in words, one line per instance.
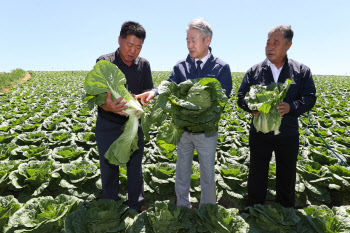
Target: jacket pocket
column 289, row 125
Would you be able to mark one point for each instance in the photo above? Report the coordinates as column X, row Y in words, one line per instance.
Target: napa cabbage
column 165, row 216
column 194, row 105
column 8, row 206
column 103, row 215
column 215, row 218
column 266, row 99
column 42, row 214
column 106, row 77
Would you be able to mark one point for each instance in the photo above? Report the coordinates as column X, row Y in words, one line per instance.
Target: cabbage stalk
column 106, row 77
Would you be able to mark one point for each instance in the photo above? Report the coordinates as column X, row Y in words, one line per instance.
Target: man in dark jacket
column 111, row 118
column 301, row 97
column 199, row 63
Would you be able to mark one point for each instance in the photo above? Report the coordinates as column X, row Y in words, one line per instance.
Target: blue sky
column 70, row 35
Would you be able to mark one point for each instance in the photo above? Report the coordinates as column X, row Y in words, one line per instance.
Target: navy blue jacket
column 301, row 95
column 213, row 68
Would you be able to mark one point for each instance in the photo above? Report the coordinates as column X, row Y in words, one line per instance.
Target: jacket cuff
column 156, row 90
column 292, row 107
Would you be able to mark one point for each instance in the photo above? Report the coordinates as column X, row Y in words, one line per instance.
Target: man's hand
column 283, row 108
column 115, row 106
column 146, row 96
column 255, row 113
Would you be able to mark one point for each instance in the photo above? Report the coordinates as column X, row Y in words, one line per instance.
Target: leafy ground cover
column 50, row 178
column 9, row 79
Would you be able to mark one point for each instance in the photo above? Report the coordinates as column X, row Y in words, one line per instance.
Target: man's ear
column 207, row 41
column 119, row 40
column 289, row 44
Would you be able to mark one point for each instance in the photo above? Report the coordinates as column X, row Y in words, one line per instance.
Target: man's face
column 197, row 46
column 276, row 48
column 129, row 48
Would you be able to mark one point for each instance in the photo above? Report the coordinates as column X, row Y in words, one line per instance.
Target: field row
column 48, row 151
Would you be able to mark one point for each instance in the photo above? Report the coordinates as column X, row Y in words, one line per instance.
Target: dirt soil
column 25, row 79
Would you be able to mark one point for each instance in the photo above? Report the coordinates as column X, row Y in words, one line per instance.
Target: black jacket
column 301, row 95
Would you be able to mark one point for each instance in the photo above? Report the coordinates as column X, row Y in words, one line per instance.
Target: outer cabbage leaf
column 168, row 136
column 121, row 149
column 199, row 96
column 217, row 93
column 106, row 77
column 166, row 89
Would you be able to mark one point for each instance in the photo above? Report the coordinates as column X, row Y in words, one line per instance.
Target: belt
column 194, row 132
column 189, row 131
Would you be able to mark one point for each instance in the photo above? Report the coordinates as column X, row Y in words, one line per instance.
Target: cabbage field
column 50, row 178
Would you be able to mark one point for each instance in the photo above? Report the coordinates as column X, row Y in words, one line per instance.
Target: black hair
column 132, row 28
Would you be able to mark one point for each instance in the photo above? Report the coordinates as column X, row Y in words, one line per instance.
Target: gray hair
column 202, row 26
column 286, row 31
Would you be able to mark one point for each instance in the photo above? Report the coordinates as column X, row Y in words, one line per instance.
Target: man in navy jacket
column 214, row 67
column 199, row 63
column 300, row 98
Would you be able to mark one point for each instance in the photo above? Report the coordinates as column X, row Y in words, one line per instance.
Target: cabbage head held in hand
column 266, row 99
column 106, row 77
column 194, row 105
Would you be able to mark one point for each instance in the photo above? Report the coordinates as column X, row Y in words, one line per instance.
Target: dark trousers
column 286, row 152
column 106, row 133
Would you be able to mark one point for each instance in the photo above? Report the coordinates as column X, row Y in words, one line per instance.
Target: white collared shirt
column 275, row 72
column 204, row 60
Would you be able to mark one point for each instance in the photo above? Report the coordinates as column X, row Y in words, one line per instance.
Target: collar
column 270, row 63
column 204, row 59
column 266, row 62
column 119, row 60
column 209, row 56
